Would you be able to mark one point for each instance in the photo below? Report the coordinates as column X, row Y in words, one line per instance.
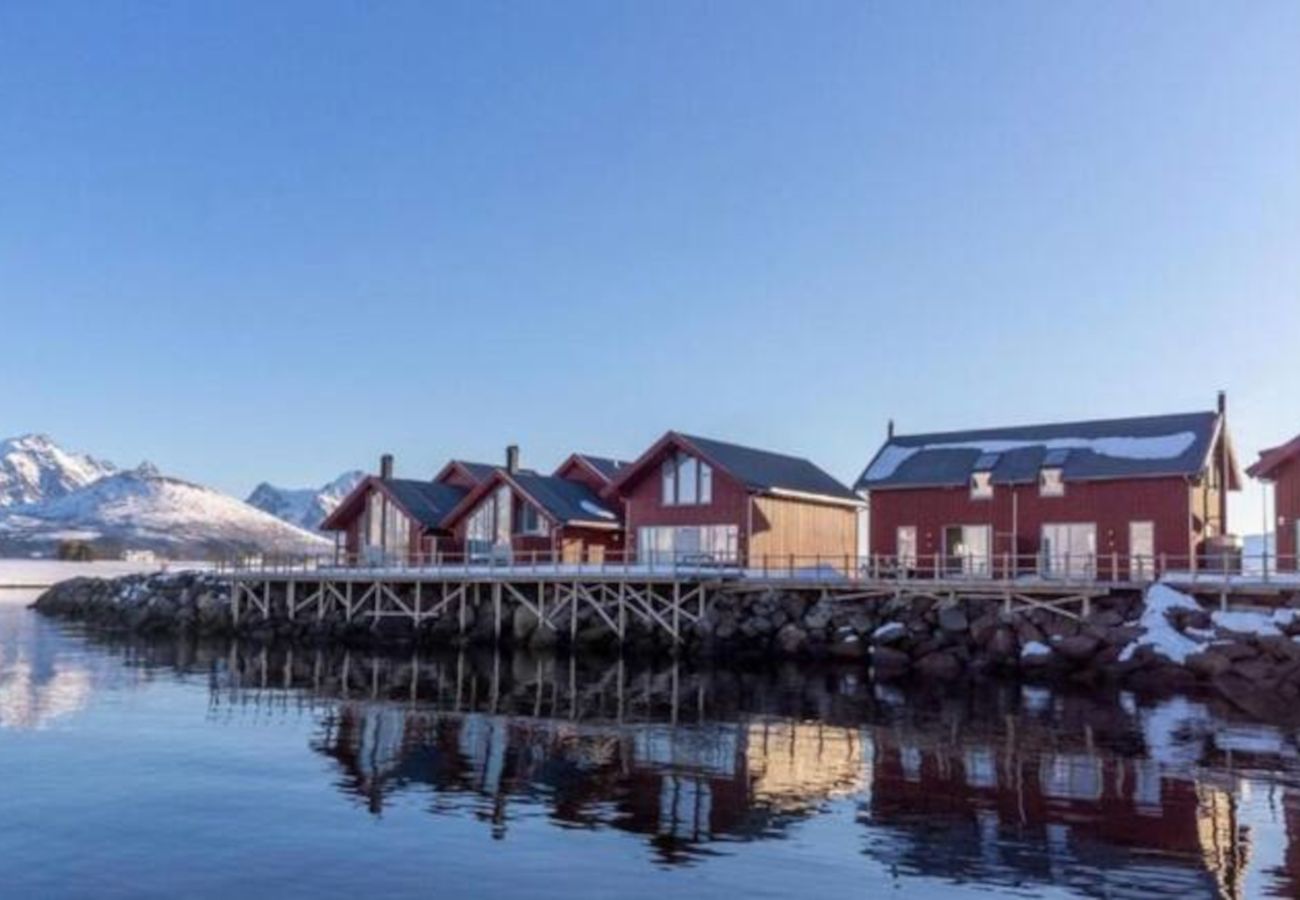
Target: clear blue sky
column 271, row 240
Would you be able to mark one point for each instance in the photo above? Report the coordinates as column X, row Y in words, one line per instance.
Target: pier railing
column 1065, row 569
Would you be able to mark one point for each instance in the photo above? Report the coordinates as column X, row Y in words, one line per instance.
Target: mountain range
column 49, row 495
column 304, row 507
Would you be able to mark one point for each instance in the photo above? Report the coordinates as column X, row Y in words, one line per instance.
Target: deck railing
column 1228, row 570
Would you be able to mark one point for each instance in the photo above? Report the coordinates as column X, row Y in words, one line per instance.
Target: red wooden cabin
column 1112, row 499
column 1281, row 467
column 691, row 499
column 397, row 519
column 519, row 515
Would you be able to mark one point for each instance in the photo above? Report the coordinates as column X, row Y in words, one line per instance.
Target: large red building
column 1281, row 467
column 1112, row 499
column 691, row 499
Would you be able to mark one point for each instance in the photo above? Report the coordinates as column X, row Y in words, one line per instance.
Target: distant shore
column 33, row 574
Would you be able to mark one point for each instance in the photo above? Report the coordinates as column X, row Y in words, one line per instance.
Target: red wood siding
column 643, row 506
column 567, row 543
column 1110, row 505
column 1286, row 493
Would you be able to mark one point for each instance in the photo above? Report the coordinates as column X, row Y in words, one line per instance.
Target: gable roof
column 1273, row 459
column 759, row 471
column 562, row 501
column 603, row 464
column 1142, row 447
column 424, row 501
column 605, row 467
column 477, row 471
column 567, row 502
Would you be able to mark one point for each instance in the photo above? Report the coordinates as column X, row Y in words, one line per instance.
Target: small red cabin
column 694, row 499
column 1281, row 467
column 519, row 515
column 399, row 520
column 1111, row 499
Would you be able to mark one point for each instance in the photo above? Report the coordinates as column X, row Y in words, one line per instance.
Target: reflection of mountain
column 37, row 686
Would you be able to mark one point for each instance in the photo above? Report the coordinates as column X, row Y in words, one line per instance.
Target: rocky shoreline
column 1164, row 642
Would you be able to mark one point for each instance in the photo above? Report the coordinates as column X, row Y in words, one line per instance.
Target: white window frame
column 677, row 471
column 981, row 486
column 905, row 535
column 1051, row 482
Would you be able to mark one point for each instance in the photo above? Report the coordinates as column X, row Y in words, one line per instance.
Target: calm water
column 169, row 770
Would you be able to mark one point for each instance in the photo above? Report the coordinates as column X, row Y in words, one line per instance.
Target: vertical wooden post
column 573, row 617
column 496, row 612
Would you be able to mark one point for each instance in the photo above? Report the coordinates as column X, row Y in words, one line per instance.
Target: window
column 981, row 486
column 689, row 544
column 527, row 520
column 968, row 550
column 906, row 547
column 1050, row 483
column 688, row 484
column 686, row 481
column 1069, row 549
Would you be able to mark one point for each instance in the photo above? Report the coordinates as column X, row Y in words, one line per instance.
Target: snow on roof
column 1160, row 445
column 1165, row 446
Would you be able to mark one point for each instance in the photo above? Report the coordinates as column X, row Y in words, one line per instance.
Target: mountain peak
column 35, row 469
column 304, row 507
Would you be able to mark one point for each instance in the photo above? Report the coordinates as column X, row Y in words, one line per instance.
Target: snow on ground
column 45, row 572
column 1245, row 621
column 1034, row 650
column 1159, row 632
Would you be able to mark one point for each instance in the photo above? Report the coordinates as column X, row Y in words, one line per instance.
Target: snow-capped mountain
column 34, row 469
column 48, row 495
column 304, row 507
column 143, row 509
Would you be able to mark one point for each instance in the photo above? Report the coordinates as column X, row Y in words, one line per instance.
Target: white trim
column 816, row 498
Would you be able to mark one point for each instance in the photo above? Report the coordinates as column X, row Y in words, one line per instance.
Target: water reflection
column 997, row 785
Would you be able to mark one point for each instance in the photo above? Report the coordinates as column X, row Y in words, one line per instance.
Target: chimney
column 891, row 429
column 386, row 467
column 1224, row 471
column 512, row 458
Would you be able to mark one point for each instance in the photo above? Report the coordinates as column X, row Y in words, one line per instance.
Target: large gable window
column 685, row 481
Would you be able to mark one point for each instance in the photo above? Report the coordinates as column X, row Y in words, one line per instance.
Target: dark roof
column 603, row 464
column 1272, row 460
column 762, row 470
column 1111, row 448
column 480, row 471
column 565, row 501
column 427, row 501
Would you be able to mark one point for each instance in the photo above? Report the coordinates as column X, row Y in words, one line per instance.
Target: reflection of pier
column 1001, row 786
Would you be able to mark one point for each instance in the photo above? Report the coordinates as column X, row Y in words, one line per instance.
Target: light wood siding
column 783, row 527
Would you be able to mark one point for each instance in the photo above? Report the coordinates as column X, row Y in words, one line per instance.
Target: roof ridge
column 1118, row 420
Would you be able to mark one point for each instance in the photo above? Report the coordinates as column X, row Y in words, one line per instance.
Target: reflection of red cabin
column 1107, row 498
column 691, row 498
column 1281, row 467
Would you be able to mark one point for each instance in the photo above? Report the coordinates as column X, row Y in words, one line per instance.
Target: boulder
column 942, row 665
column 1208, row 664
column 847, row 644
column 791, row 640
column 886, row 661
column 1077, row 648
column 953, row 619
